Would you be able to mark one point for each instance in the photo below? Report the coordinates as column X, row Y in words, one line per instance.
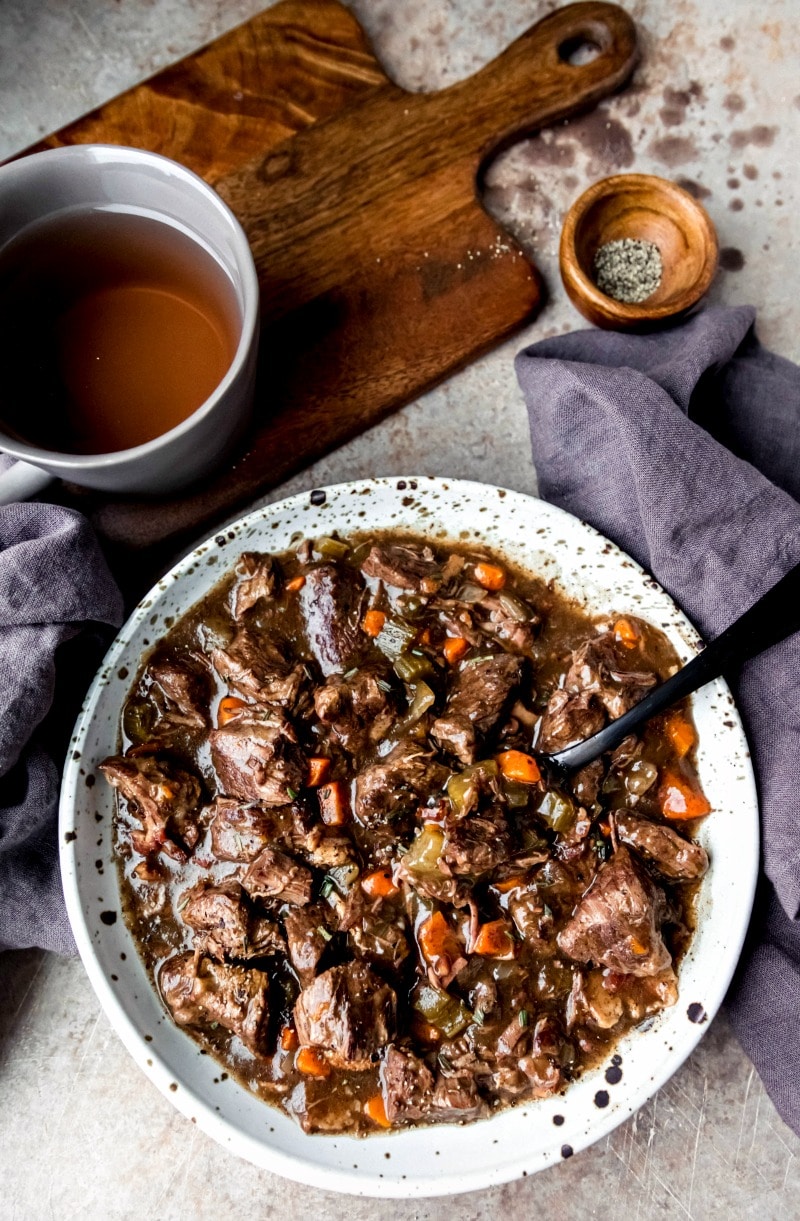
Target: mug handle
column 22, row 480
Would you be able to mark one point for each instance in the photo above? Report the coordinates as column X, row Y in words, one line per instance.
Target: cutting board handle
column 532, row 83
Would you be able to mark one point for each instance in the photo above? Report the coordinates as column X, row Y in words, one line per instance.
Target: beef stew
column 342, row 865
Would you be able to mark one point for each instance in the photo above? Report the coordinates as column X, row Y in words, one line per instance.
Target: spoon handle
column 773, row 617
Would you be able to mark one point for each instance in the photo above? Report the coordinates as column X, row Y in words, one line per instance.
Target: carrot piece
column 311, row 1062
column 454, row 648
column 295, row 584
column 605, row 828
column 516, row 765
column 375, row 1109
column 289, row 1039
column 318, row 769
column 494, row 940
column 508, row 884
column 490, row 576
column 626, row 633
column 228, row 709
column 373, row 622
column 334, row 804
column 379, row 884
column 681, row 734
column 425, row 636
column 637, row 946
column 680, row 800
column 438, row 942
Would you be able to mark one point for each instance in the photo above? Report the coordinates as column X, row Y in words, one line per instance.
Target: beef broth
column 342, row 864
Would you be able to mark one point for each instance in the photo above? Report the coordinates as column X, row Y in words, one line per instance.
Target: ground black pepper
column 628, row 269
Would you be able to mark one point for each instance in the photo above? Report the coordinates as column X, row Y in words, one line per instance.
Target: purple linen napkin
column 55, row 588
column 683, row 447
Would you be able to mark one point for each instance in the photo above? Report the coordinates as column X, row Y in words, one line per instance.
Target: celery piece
column 411, row 667
column 423, row 855
column 557, row 810
column 459, row 784
column 516, row 794
column 515, row 608
column 344, row 875
column 137, row 721
column 331, row 548
column 441, row 1010
column 394, row 638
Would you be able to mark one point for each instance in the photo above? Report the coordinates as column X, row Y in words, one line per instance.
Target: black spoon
column 773, row 617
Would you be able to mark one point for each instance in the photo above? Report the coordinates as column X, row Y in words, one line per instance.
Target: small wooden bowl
column 638, row 206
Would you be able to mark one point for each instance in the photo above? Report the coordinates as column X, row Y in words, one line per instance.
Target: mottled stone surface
column 715, row 103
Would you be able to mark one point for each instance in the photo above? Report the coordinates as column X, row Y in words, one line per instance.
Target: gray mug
column 38, row 187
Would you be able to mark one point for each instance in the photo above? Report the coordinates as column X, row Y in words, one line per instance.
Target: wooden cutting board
column 380, row 272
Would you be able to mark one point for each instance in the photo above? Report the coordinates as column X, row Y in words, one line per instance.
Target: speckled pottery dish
column 516, row 1142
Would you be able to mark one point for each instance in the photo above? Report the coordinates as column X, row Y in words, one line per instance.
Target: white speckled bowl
column 426, row 1161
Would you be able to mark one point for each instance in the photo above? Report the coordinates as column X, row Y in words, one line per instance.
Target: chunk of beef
column 349, row 1012
column 405, row 779
column 163, row 797
column 615, row 922
column 259, row 576
column 258, row 760
column 643, row 997
column 478, row 843
column 219, row 913
column 330, row 604
column 412, row 1093
column 275, row 876
column 255, row 668
column 239, row 832
column 590, row 1003
column 407, row 1086
column 376, row 933
column 404, row 566
column 567, row 719
column 307, row 937
column 457, row 618
column 202, row 993
column 265, row 938
column 456, row 1099
column 545, row 1076
column 511, row 1037
column 597, row 668
column 359, row 709
column 533, row 920
column 586, row 783
column 676, row 858
column 225, row 925
column 439, row 885
column 186, row 688
column 326, row 847
column 629, row 749
column 481, row 693
column 483, row 998
column 518, row 629
column 322, row 1109
column 507, row 1080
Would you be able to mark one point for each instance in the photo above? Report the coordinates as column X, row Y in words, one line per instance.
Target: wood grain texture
column 287, row 68
column 380, row 272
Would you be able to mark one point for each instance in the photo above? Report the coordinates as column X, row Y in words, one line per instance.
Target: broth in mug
column 114, row 328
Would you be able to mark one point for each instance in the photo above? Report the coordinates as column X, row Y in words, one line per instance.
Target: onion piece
column 515, row 608
column 470, row 593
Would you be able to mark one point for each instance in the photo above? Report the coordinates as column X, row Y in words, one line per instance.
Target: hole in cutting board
column 580, row 50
